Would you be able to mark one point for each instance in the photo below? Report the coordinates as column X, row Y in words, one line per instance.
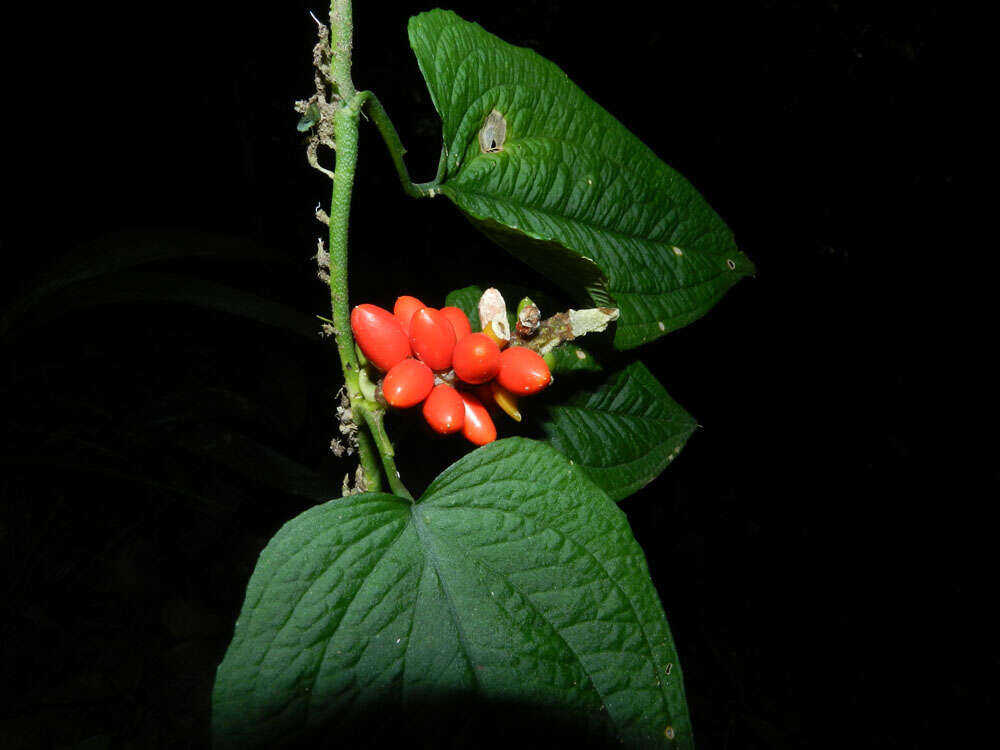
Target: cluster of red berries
column 432, row 357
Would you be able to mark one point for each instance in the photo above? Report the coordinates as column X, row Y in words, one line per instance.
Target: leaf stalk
column 396, row 149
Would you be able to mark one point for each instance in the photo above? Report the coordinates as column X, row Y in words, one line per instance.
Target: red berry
column 432, row 338
column 459, row 321
column 444, row 410
column 380, row 336
column 478, row 427
column 404, row 308
column 476, row 358
column 523, row 371
column 407, row 384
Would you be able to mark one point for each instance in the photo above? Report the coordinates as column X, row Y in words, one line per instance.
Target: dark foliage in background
column 161, row 419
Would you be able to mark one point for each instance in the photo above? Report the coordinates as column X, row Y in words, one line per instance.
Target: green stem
column 367, row 454
column 396, row 149
column 342, row 26
column 346, row 138
column 345, row 133
column 374, row 420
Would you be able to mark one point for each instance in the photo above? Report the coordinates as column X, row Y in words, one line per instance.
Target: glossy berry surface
column 478, row 427
column 459, row 321
column 432, row 338
column 380, row 336
column 523, row 371
column 476, row 358
column 407, row 384
column 404, row 308
column 444, row 410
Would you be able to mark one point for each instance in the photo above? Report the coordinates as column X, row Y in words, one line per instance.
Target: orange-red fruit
column 404, row 308
column 523, row 371
column 478, row 427
column 459, row 321
column 444, row 410
column 476, row 358
column 432, row 338
column 407, row 384
column 380, row 336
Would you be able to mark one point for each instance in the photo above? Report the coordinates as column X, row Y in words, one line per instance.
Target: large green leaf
column 624, row 433
column 570, row 187
column 511, row 596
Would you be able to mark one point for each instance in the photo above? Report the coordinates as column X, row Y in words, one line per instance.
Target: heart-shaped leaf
column 624, row 433
column 513, row 588
column 554, row 178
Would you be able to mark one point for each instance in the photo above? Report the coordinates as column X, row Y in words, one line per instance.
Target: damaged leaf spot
column 493, row 133
column 731, row 264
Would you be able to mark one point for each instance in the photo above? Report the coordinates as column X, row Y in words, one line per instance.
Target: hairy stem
column 346, row 136
column 342, row 26
column 368, row 415
column 374, row 420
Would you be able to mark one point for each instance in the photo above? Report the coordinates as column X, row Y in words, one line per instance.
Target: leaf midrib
column 600, row 564
column 595, row 227
column 428, row 549
column 576, row 447
column 535, row 609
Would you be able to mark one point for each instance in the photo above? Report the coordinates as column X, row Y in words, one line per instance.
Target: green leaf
column 571, row 358
column 513, row 588
column 569, row 190
column 624, row 433
column 466, row 299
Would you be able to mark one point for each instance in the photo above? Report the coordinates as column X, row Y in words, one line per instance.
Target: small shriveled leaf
column 513, row 589
column 567, row 188
column 624, row 433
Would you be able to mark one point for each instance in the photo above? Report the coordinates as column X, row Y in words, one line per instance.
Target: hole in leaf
column 493, row 133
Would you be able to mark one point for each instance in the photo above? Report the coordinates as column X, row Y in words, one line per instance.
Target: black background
column 818, row 544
